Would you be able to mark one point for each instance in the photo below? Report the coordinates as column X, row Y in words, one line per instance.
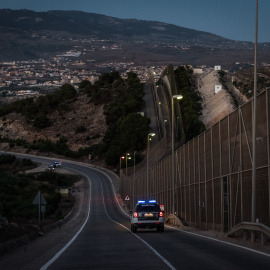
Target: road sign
column 43, row 208
column 161, row 207
column 39, row 199
column 127, row 198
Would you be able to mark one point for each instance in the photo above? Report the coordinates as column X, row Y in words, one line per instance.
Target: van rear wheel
column 133, row 228
column 160, row 229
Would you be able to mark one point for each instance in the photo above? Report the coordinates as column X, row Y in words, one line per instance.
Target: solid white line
column 221, row 241
column 70, row 242
column 144, row 242
column 106, row 175
column 59, row 253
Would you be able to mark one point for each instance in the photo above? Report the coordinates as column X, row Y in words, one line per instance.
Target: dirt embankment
column 216, row 104
column 83, row 124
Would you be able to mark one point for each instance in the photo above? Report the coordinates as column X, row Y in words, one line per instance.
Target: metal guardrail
column 251, row 227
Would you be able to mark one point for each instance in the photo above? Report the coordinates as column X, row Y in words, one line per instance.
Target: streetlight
column 165, row 121
column 173, row 170
column 134, row 177
column 122, row 157
column 147, row 178
column 254, row 125
column 127, row 157
column 122, row 183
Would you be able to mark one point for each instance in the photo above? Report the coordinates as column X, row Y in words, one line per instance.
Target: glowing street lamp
column 173, row 170
column 134, row 178
column 254, row 130
column 122, row 183
column 165, row 133
column 122, row 157
column 147, row 170
column 127, row 157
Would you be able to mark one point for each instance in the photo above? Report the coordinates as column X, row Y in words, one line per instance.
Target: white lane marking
column 220, row 241
column 59, row 253
column 144, row 242
column 115, row 196
column 84, row 165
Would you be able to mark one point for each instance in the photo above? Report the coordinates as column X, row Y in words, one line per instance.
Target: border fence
column 213, row 173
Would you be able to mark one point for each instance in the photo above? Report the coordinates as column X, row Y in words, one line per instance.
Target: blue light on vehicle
column 152, row 201
column 141, row 201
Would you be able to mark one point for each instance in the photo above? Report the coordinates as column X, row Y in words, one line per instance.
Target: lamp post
column 173, row 170
column 165, row 121
column 147, row 170
column 122, row 157
column 127, row 157
column 122, row 184
column 134, row 178
column 254, row 125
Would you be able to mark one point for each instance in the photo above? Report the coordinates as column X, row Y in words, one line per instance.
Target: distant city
column 27, row 77
column 67, row 49
column 33, row 77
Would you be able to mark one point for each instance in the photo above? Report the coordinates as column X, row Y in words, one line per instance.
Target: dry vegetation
column 83, row 124
column 244, row 80
column 214, row 106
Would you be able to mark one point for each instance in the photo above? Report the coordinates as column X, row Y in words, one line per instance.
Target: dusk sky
column 234, row 19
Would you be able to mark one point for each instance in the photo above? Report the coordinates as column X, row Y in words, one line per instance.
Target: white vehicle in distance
column 57, row 164
column 147, row 215
column 49, row 167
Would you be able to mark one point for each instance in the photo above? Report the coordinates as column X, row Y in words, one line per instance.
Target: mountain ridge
column 47, row 20
column 30, row 35
column 26, row 34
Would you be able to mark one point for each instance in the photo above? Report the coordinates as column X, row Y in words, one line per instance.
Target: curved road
column 102, row 239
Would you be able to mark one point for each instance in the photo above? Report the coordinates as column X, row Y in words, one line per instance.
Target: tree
column 85, row 84
column 128, row 134
column 41, row 121
column 190, row 105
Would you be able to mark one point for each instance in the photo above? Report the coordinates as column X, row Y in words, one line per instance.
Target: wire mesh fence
column 213, row 185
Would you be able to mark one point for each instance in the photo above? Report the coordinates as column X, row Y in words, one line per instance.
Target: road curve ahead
column 104, row 241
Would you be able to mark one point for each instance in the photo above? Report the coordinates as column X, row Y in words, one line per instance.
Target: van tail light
column 135, row 214
column 160, row 214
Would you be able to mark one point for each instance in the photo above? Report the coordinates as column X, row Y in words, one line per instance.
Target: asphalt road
column 102, row 240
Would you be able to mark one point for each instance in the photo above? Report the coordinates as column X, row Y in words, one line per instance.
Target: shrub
column 96, row 136
column 11, row 144
column 7, row 159
column 27, row 162
column 80, row 129
column 42, row 121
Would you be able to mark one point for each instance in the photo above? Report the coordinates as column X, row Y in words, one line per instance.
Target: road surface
column 100, row 239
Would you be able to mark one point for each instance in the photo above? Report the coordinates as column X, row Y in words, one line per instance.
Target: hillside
column 83, row 124
column 61, row 24
column 244, row 80
column 215, row 106
column 26, row 35
column 98, row 121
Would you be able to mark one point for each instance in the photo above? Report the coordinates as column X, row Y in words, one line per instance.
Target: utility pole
column 254, row 125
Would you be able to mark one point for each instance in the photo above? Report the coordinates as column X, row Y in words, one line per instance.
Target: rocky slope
column 81, row 113
column 216, row 105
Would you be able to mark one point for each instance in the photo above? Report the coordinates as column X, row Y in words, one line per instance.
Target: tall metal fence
column 213, row 184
